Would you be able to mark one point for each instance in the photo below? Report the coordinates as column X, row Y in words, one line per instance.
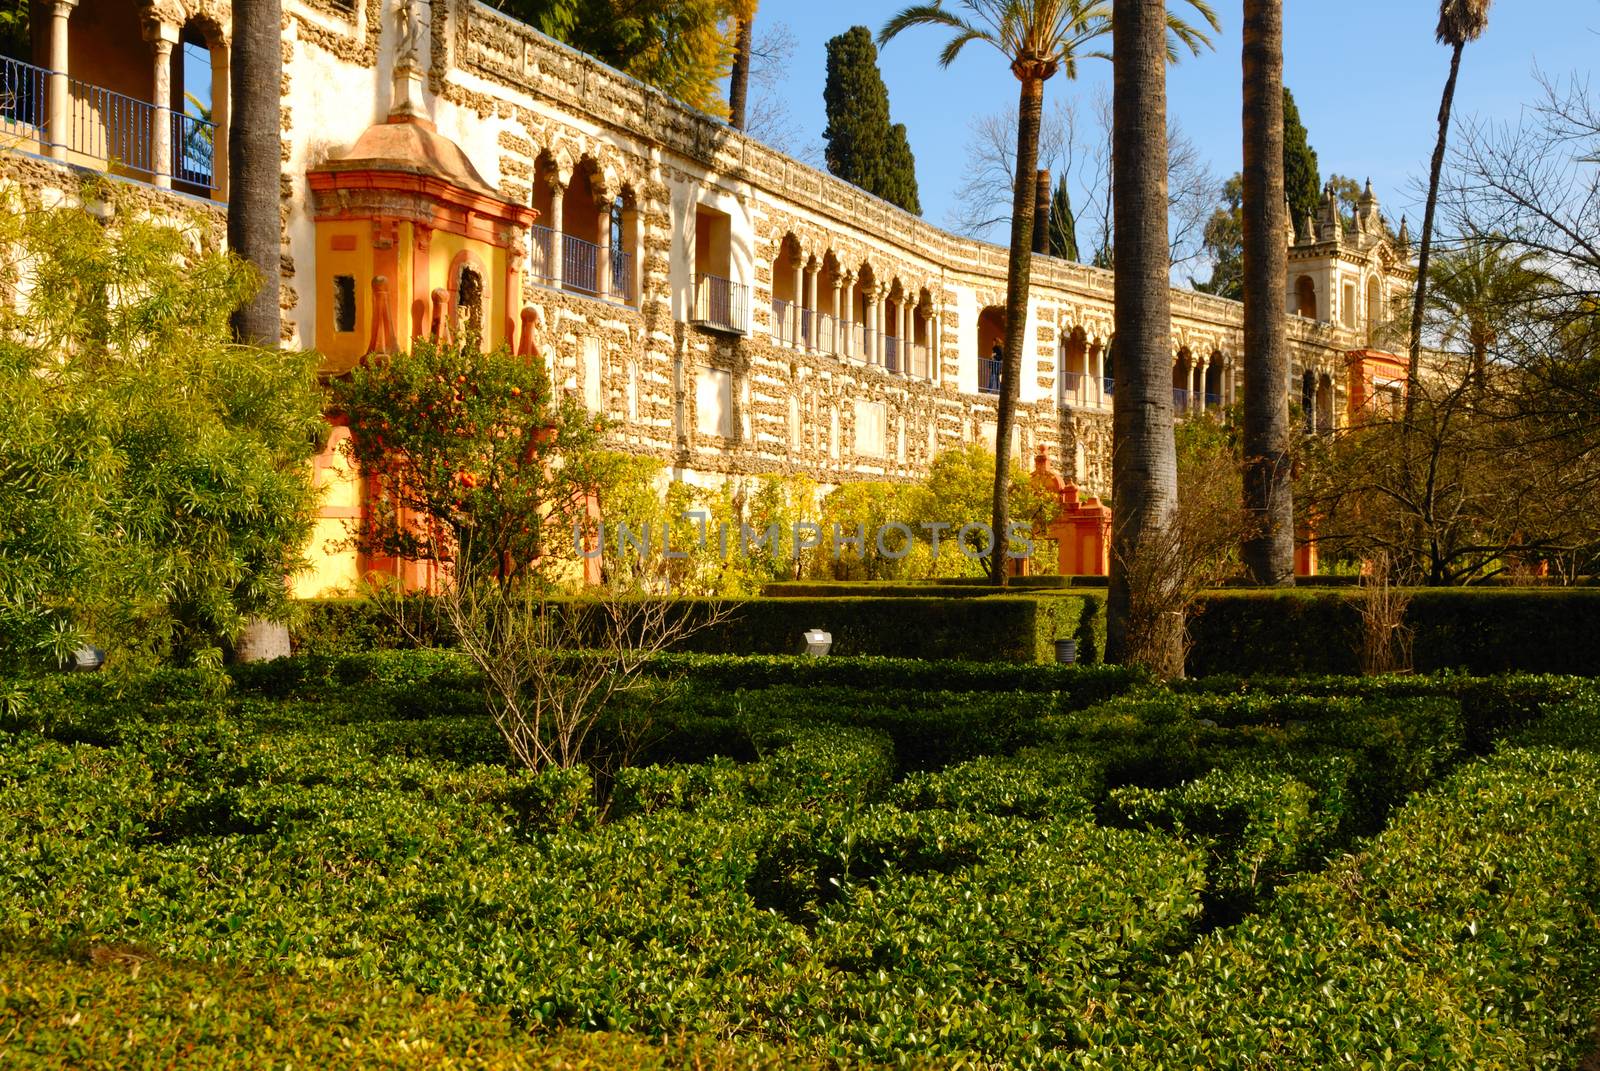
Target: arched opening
column 862, row 341
column 1182, row 382
column 1325, row 404
column 922, row 336
column 1216, row 395
column 199, row 101
column 543, row 261
column 623, row 238
column 469, row 307
column 1308, row 401
column 1375, row 315
column 786, row 284
column 1075, row 373
column 828, row 299
column 894, row 314
column 583, row 224
column 991, row 348
column 1305, row 297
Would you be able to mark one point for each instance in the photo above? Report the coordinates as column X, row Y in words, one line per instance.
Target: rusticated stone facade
column 735, row 311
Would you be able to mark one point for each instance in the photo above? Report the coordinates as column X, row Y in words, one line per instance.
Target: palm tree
column 1144, row 464
column 1268, row 549
column 1460, row 21
column 1477, row 289
column 254, row 166
column 1037, row 39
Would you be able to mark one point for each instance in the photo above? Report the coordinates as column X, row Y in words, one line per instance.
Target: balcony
column 989, row 371
column 721, row 304
column 94, row 127
column 579, row 265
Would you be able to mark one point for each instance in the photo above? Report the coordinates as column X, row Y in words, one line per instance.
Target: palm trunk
column 1268, row 549
column 739, row 77
column 254, row 167
column 254, row 147
column 1144, row 467
column 1420, row 295
column 1030, row 111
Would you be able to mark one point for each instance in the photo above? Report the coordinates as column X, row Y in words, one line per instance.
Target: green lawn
column 329, row 864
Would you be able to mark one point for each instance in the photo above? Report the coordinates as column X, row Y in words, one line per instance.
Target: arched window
column 469, row 308
column 1306, row 297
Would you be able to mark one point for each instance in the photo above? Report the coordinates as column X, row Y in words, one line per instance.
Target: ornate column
column 220, row 80
column 799, row 296
column 870, row 342
column 162, row 36
column 554, row 269
column 59, row 133
column 810, row 306
column 602, row 256
column 838, row 343
column 882, row 345
column 935, row 339
column 1198, row 399
column 908, row 336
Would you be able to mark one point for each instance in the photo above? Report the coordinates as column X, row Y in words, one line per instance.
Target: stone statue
column 408, row 19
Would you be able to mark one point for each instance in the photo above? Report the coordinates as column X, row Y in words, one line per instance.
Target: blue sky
column 1366, row 74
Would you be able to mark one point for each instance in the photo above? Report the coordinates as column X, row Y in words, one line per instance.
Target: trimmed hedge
column 1463, row 936
column 938, row 587
column 1001, row 628
column 1478, row 630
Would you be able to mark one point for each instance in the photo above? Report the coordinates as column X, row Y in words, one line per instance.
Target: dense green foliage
column 1051, row 877
column 862, row 146
column 464, row 445
column 1302, row 181
column 154, row 477
column 1063, row 224
column 682, row 48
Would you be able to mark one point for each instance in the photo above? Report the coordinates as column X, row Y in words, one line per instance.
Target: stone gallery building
column 732, row 310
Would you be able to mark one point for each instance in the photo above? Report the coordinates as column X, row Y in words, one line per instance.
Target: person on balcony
column 997, row 358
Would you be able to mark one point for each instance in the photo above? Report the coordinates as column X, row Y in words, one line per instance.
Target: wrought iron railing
column 580, row 262
column 989, row 375
column 827, row 333
column 1107, row 383
column 24, row 99
column 1213, row 401
column 541, row 255
column 782, row 325
column 1180, row 399
column 621, row 276
column 891, row 353
column 114, row 129
column 722, row 303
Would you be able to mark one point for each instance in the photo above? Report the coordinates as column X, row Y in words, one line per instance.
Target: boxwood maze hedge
column 1001, row 866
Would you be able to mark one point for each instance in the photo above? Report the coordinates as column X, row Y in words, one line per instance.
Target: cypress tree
column 1063, row 228
column 861, row 146
column 1301, row 180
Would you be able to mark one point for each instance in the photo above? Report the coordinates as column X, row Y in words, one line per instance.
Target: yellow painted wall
column 343, row 347
column 334, row 567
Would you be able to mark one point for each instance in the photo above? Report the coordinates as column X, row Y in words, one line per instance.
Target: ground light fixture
column 817, row 642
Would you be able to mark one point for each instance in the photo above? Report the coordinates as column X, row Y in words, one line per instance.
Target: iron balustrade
column 541, row 258
column 1213, row 401
column 781, row 330
column 1107, row 383
column 106, row 126
column 891, row 353
column 580, row 265
column 24, row 99
column 827, row 333
column 989, row 375
column 622, row 276
column 1180, row 398
column 722, row 303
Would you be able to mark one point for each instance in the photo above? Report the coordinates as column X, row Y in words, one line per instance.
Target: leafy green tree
column 464, row 447
column 156, row 484
column 685, row 48
column 16, row 39
column 862, row 146
column 1302, row 182
column 1224, row 243
column 959, row 489
column 1063, row 226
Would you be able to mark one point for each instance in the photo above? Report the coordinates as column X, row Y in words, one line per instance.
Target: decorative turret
column 1368, row 220
column 1331, row 227
column 1403, row 240
column 1288, row 222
